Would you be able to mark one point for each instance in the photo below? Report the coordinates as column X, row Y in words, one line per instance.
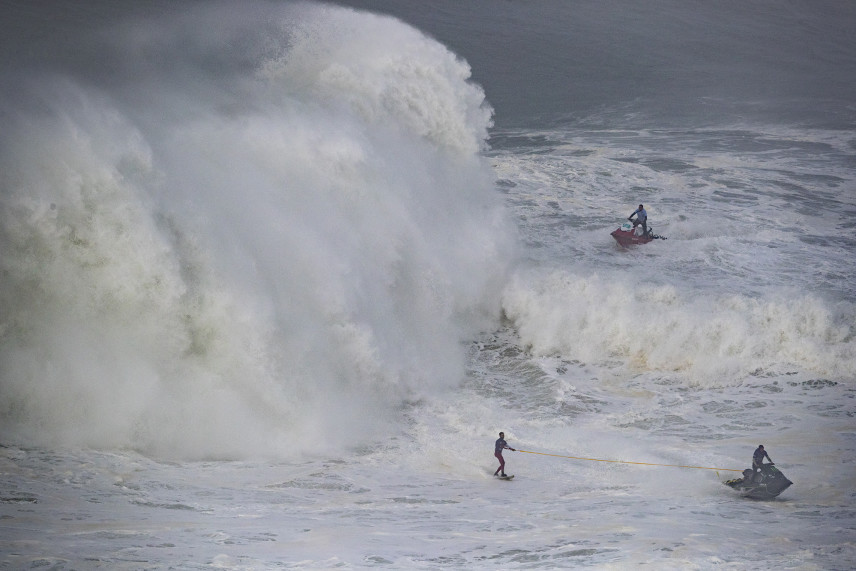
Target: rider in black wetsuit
column 501, row 445
column 758, row 459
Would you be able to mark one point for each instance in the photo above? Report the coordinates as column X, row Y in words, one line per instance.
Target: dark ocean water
column 662, row 63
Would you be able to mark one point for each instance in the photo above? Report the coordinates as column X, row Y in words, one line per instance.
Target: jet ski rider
column 758, row 459
column 641, row 218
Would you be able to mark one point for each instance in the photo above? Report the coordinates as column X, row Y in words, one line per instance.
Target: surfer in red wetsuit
column 501, row 445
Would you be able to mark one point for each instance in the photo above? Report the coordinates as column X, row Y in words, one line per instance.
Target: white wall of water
column 708, row 338
column 250, row 238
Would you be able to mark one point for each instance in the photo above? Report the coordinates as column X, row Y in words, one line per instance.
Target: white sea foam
column 253, row 257
column 709, row 339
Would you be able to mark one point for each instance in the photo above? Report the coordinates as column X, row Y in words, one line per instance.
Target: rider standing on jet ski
column 641, row 218
column 758, row 459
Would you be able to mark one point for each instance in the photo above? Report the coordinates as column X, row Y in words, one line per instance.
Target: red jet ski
column 627, row 235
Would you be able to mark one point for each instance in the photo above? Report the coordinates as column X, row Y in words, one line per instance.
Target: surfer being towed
column 501, row 445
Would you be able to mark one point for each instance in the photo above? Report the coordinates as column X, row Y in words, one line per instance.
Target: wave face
column 241, row 233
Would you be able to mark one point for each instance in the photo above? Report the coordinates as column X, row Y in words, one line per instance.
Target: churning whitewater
column 274, row 276
column 221, row 251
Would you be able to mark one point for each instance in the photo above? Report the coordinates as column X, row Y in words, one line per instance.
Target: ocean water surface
column 273, row 276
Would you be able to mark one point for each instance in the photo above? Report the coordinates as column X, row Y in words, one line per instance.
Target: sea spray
column 708, row 339
column 254, row 238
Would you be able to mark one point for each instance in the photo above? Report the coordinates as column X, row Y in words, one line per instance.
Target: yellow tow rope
column 627, row 462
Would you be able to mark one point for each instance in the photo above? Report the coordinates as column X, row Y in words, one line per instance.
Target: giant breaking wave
column 241, row 234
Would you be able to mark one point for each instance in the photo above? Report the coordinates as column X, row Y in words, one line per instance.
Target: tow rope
column 628, row 462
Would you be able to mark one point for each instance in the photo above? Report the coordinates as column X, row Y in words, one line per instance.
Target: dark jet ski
column 763, row 485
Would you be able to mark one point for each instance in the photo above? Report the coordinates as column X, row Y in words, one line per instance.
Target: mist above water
column 241, row 232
